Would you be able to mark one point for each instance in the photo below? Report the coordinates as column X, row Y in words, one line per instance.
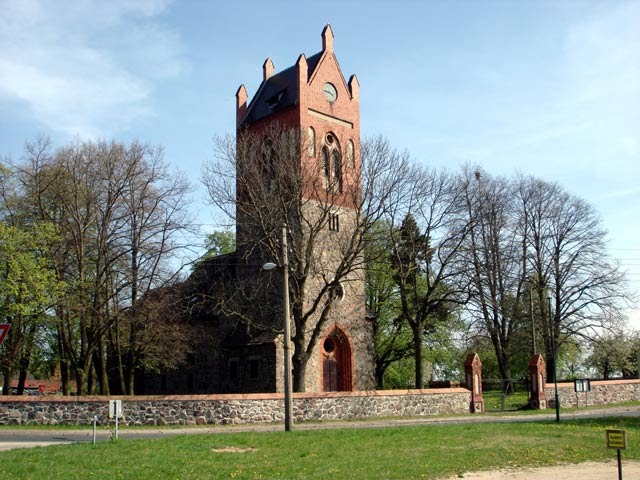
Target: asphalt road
column 25, row 437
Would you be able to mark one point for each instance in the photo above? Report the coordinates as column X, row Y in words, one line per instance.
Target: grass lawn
column 495, row 401
column 431, row 451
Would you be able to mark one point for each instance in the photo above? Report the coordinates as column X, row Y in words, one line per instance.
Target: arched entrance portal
column 336, row 362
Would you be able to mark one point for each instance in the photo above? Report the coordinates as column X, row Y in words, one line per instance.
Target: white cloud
column 602, row 52
column 580, row 113
column 88, row 67
column 603, row 82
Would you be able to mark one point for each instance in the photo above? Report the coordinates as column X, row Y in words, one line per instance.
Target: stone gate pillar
column 537, row 382
column 473, row 380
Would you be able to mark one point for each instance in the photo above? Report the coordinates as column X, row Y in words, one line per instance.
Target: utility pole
column 533, row 322
column 288, row 401
column 555, row 365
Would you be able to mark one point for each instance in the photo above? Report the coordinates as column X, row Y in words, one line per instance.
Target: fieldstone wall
column 232, row 409
column 602, row 392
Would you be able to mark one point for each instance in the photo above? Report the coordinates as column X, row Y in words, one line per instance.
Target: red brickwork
column 537, row 381
column 473, row 380
column 334, row 120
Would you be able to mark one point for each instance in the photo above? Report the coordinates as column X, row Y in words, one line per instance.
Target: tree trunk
column 6, row 386
column 65, row 367
column 505, row 373
column 22, row 380
column 550, row 364
column 131, row 358
column 91, row 378
column 65, row 377
column 101, row 366
column 22, row 376
column 549, row 350
column 419, row 350
column 380, row 369
column 299, row 364
column 116, row 355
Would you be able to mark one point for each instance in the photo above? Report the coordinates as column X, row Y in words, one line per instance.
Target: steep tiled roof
column 312, row 63
column 278, row 92
column 241, row 338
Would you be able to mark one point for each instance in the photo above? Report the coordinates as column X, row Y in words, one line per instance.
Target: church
column 297, row 207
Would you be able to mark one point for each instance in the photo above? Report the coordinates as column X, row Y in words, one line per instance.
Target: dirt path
column 583, row 471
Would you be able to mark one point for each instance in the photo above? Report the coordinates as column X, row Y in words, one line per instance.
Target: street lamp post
column 288, row 400
column 533, row 323
column 555, row 366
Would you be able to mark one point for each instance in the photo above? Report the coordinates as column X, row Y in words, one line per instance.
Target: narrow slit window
column 351, row 163
column 311, row 139
column 334, row 222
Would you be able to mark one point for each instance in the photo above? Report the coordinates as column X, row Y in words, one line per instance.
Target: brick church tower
column 297, row 161
column 314, row 112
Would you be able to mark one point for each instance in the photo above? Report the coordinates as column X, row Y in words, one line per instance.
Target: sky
column 546, row 88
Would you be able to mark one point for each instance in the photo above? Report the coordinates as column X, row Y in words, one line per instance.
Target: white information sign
column 115, row 408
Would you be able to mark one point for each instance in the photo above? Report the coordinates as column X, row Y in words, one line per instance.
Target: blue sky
column 544, row 88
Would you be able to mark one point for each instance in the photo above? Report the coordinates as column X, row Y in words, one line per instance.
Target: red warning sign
column 4, row 328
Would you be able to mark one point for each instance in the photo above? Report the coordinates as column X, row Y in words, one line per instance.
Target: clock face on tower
column 329, row 91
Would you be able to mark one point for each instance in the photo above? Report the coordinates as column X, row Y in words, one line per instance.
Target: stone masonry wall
column 232, row 409
column 267, row 408
column 602, row 392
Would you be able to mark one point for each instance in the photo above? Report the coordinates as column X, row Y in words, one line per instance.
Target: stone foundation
column 602, row 392
column 233, row 409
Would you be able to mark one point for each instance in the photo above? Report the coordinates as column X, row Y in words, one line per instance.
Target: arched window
column 332, row 164
column 268, row 157
column 336, row 164
column 350, row 155
column 337, row 370
column 311, row 142
column 326, row 167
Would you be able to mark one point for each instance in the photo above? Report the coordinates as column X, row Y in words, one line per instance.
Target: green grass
column 432, row 451
column 494, row 400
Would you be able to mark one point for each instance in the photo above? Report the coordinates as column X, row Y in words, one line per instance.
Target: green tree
column 429, row 274
column 28, row 290
column 612, row 354
column 119, row 213
column 392, row 336
column 219, row 242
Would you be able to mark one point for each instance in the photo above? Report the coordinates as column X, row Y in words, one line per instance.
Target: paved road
column 11, row 438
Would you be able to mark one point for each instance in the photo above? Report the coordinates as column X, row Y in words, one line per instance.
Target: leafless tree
column 568, row 262
column 262, row 182
column 427, row 234
column 496, row 264
column 118, row 211
column 531, row 240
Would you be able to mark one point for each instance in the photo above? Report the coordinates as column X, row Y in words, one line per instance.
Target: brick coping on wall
column 228, row 396
column 595, row 383
column 273, row 396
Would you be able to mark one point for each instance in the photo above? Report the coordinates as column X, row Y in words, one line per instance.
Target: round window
column 338, row 292
column 329, row 345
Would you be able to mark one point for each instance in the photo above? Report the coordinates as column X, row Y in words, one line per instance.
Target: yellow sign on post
column 617, row 439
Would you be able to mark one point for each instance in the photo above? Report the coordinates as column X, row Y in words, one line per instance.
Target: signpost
column 617, row 440
column 115, row 411
column 582, row 385
column 4, row 328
